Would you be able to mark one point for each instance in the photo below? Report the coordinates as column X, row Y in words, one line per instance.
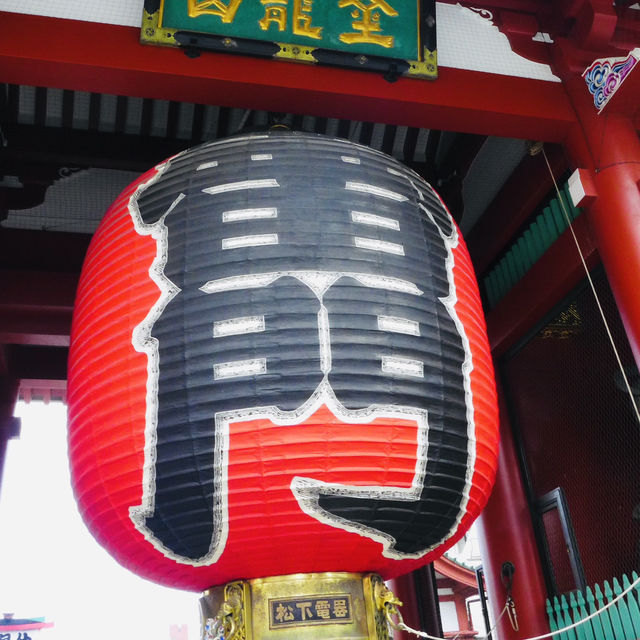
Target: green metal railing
column 527, row 248
column 621, row 621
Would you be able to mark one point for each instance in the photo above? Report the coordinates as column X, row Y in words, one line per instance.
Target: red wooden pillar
column 404, row 589
column 459, row 598
column 418, row 593
column 506, row 535
column 607, row 145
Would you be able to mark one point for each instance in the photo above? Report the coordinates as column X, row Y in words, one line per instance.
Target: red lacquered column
column 506, row 535
column 607, row 144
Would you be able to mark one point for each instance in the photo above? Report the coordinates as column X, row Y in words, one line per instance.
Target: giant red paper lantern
column 279, row 365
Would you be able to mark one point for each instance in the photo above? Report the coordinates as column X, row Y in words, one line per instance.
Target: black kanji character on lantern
column 291, row 261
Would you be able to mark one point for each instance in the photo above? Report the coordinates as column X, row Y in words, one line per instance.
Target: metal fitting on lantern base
column 301, row 606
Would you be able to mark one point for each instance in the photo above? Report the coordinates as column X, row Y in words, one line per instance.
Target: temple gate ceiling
column 84, row 109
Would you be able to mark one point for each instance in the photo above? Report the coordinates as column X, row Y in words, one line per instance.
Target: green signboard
column 394, row 37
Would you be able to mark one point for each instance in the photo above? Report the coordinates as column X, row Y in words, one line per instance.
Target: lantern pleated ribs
column 279, row 364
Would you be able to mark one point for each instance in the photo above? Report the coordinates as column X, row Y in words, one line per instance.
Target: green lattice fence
column 619, row 622
column 527, row 248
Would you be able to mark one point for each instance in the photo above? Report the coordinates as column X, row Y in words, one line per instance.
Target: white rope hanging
column 401, row 626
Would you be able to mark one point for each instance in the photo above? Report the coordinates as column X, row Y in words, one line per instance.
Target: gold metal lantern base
column 299, row 607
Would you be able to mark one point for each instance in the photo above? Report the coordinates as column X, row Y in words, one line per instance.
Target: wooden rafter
column 93, row 57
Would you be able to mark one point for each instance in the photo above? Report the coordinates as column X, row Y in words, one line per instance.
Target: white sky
column 49, row 563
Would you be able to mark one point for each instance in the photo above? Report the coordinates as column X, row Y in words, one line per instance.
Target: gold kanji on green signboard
column 367, row 22
column 275, row 12
column 227, row 12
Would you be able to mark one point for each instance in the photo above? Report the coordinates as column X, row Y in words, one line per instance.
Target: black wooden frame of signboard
column 194, row 43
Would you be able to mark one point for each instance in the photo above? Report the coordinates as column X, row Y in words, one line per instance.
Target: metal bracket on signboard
column 152, row 33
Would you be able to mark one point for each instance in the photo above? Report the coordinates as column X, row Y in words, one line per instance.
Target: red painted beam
column 43, row 390
column 31, row 250
column 37, row 363
column 104, row 58
column 454, row 571
column 545, row 285
column 514, row 203
column 36, row 307
column 51, row 329
column 25, row 290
